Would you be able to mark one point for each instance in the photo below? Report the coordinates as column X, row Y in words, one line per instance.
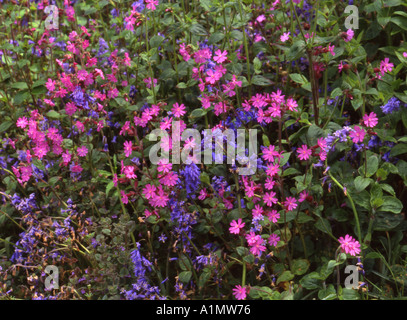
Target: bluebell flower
column 391, row 106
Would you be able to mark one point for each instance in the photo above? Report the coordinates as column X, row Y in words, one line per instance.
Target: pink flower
column 149, row 191
column 82, row 74
column 170, row 179
column 357, row 134
column 151, row 4
column 164, row 165
column 128, row 148
column 386, row 66
column 273, row 240
column 370, row 120
column 239, row 292
column 160, row 199
column 349, row 245
column 70, row 108
column 235, row 226
column 129, row 172
column 272, row 169
column 202, row 194
column 257, row 211
column 66, row 157
column 349, row 35
column 258, row 247
column 303, row 196
column 50, row 85
column 82, row 151
column 270, row 153
column 269, row 184
column 285, row 36
column 249, row 189
column 269, row 198
column 273, row 216
column 220, row 56
column 331, row 49
column 125, row 199
column 178, row 110
column 303, row 152
column 292, row 105
column 212, row 76
column 22, row 122
column 290, row 203
column 405, row 54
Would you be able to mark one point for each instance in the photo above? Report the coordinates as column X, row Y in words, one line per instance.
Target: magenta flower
column 303, row 196
column 151, row 4
column 258, row 247
column 239, row 292
column 273, row 216
column 170, row 179
column 386, row 66
column 357, row 134
column 220, row 56
column 128, row 148
column 82, row 151
column 125, row 199
column 257, row 211
column 273, row 240
column 149, row 191
column 22, row 122
column 370, row 120
column 202, row 194
column 349, row 245
column 164, row 166
column 269, row 154
column 178, row 110
column 303, row 152
column 290, row 203
column 331, row 49
column 235, row 226
column 285, row 36
column 349, row 35
column 160, row 199
column 269, row 198
column 129, row 172
column 70, row 108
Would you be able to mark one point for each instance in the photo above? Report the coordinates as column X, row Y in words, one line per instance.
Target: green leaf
column 398, row 149
column 215, row 38
column 361, row 183
column 385, row 221
column 324, row 225
column 350, row 294
column 197, row 113
column 156, row 41
column 53, row 114
column 391, row 204
column 242, row 251
column 311, row 281
column 300, row 266
column 298, row 78
column 372, row 165
column 285, row 276
column 109, row 187
column 185, row 276
column 5, row 125
column 400, row 22
column 19, row 85
column 261, row 81
column 198, row 30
